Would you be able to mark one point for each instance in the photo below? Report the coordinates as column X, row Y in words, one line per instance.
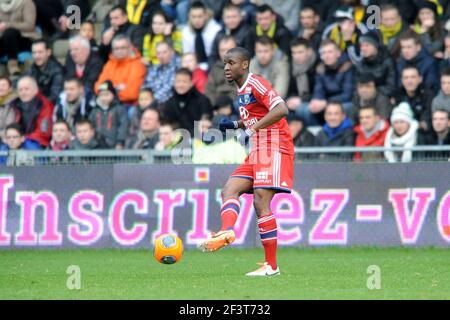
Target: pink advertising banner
column 127, row 206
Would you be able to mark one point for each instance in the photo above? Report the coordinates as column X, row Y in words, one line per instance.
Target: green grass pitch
column 317, row 273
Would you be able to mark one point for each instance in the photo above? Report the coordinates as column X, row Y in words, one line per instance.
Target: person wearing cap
column 109, row 117
column 371, row 132
column 345, row 32
column 418, row 96
column 428, row 27
column 442, row 100
column 403, row 133
column 439, row 135
column 413, row 53
column 367, row 94
column 376, row 61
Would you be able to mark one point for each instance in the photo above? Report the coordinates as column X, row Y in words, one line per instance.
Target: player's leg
column 230, row 193
column 267, row 226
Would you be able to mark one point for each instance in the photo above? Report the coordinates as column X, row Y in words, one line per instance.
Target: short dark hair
column 297, row 42
column 265, row 40
column 337, row 103
column 153, row 110
column 409, row 67
column 370, row 107
column 197, row 5
column 231, row 6
column 244, row 53
column 366, row 78
column 445, row 73
column 118, row 7
column 61, row 121
column 310, row 8
column 74, row 79
column 184, row 71
column 17, row 127
column 84, row 121
column 441, row 110
column 41, row 41
column 328, row 42
column 147, row 89
column 264, row 8
column 410, row 35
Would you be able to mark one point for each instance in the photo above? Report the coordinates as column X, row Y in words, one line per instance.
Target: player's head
column 236, row 63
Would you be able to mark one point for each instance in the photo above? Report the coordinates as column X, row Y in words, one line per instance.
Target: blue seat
column 22, row 57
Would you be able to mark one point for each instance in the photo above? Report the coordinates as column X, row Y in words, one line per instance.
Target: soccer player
column 267, row 170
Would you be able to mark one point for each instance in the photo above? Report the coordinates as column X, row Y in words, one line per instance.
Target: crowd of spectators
column 138, row 70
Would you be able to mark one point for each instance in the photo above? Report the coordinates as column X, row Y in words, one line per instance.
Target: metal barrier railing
column 304, row 154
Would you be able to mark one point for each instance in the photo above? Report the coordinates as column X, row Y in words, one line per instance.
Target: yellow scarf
column 336, row 36
column 271, row 32
column 388, row 33
column 135, row 9
column 149, row 45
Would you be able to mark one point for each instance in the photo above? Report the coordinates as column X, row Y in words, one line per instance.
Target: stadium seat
column 60, row 49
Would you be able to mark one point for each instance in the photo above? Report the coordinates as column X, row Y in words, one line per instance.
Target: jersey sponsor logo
column 246, row 99
column 248, row 89
column 244, row 113
column 262, row 175
column 251, row 122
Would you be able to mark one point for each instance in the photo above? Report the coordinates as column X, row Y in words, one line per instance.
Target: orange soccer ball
column 168, row 249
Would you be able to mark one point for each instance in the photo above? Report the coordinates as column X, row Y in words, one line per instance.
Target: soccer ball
column 168, row 249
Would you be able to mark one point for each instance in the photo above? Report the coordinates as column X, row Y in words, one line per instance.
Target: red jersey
column 255, row 99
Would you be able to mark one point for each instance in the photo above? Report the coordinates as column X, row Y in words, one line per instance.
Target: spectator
column 161, row 78
column 148, row 134
column 85, row 137
column 17, row 30
column 272, row 64
column 82, row 62
column 304, row 64
column 47, row 71
column 376, row 60
column 418, row 97
column 288, row 10
column 442, row 100
column 187, row 105
column 16, row 140
column 268, row 23
column 217, row 85
column 413, row 53
column 61, row 136
column 367, row 95
column 345, row 32
column 168, row 138
column 34, row 111
column 233, row 25
column 140, row 12
column 73, row 103
column 119, row 24
column 176, row 10
column 334, row 82
column 311, row 27
column 87, row 31
column 371, row 132
column 392, row 28
column 199, row 76
column 301, row 135
column 198, row 36
column 428, row 27
column 444, row 64
column 337, row 131
column 8, row 97
column 124, row 69
column 403, row 133
column 161, row 29
column 109, row 117
column 146, row 101
column 439, row 135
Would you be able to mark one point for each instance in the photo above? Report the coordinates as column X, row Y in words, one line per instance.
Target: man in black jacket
column 439, row 135
column 187, row 105
column 270, row 24
column 47, row 71
column 82, row 63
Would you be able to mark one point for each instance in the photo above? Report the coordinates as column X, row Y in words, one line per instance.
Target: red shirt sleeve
column 264, row 93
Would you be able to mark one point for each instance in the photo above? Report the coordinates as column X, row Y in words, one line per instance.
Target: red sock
column 268, row 231
column 229, row 213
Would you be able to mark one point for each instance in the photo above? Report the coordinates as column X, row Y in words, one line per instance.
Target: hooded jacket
column 337, row 137
column 371, row 139
column 130, row 71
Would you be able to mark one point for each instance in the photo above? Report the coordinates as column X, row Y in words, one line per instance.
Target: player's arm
column 276, row 114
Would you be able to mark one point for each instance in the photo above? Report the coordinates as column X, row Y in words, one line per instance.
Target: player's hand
column 245, row 136
column 226, row 124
